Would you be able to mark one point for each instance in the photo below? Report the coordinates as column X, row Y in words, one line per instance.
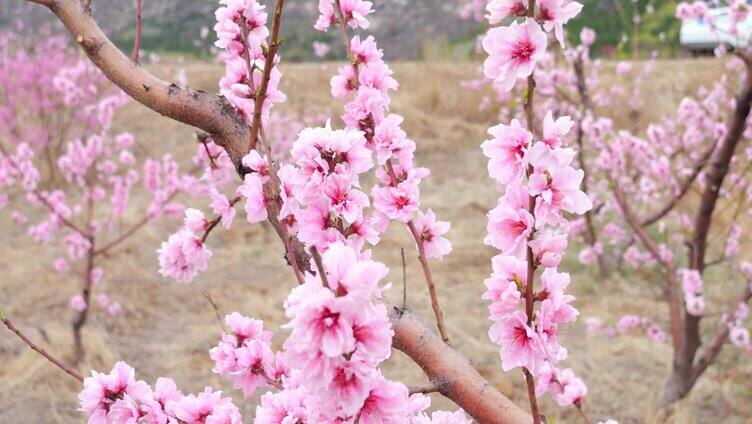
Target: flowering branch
column 684, row 374
column 270, row 54
column 368, row 126
column 585, row 109
column 668, row 264
column 214, row 222
column 714, row 348
column 529, row 293
column 683, row 189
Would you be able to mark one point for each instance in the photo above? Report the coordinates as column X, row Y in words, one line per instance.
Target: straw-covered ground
column 167, row 329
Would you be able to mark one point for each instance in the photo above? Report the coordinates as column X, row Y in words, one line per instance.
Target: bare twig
column 137, row 36
column 320, row 266
column 581, row 410
column 214, row 306
column 68, row 370
column 429, row 282
column 433, row 386
column 404, row 279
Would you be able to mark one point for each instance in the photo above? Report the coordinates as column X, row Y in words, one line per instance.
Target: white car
column 697, row 36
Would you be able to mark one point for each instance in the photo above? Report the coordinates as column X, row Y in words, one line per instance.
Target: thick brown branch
column 685, row 372
column 719, row 168
column 210, row 113
column 463, row 384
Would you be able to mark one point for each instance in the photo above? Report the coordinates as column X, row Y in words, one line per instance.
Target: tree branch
column 210, row 113
column 463, row 384
column 714, row 348
column 719, row 167
column 683, row 189
column 433, row 386
column 668, row 265
column 586, row 107
column 137, row 38
column 68, row 370
column 270, row 54
column 369, row 132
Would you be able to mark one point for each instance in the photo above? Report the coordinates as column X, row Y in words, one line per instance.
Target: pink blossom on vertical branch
column 513, row 52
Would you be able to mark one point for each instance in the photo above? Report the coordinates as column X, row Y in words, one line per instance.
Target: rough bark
column 460, row 381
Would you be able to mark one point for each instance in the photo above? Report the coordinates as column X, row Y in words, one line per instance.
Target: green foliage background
column 612, row 19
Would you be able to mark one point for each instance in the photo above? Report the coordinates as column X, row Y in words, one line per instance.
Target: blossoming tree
column 643, row 186
column 59, row 157
column 340, row 328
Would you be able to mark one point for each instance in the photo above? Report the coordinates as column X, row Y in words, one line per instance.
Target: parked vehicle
column 697, row 36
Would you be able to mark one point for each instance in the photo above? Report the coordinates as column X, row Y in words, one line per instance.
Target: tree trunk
column 685, row 371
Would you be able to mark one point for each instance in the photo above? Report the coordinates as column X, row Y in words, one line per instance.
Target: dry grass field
column 167, row 329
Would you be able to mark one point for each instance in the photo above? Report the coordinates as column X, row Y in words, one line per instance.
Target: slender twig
column 68, row 370
column 291, row 256
column 581, row 410
column 270, row 381
column 404, row 279
column 270, row 54
column 530, row 383
column 319, row 266
column 393, row 180
column 672, row 296
column 214, row 306
column 202, row 138
column 137, row 37
column 586, row 108
column 683, row 189
column 214, row 222
column 714, row 348
column 433, row 386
